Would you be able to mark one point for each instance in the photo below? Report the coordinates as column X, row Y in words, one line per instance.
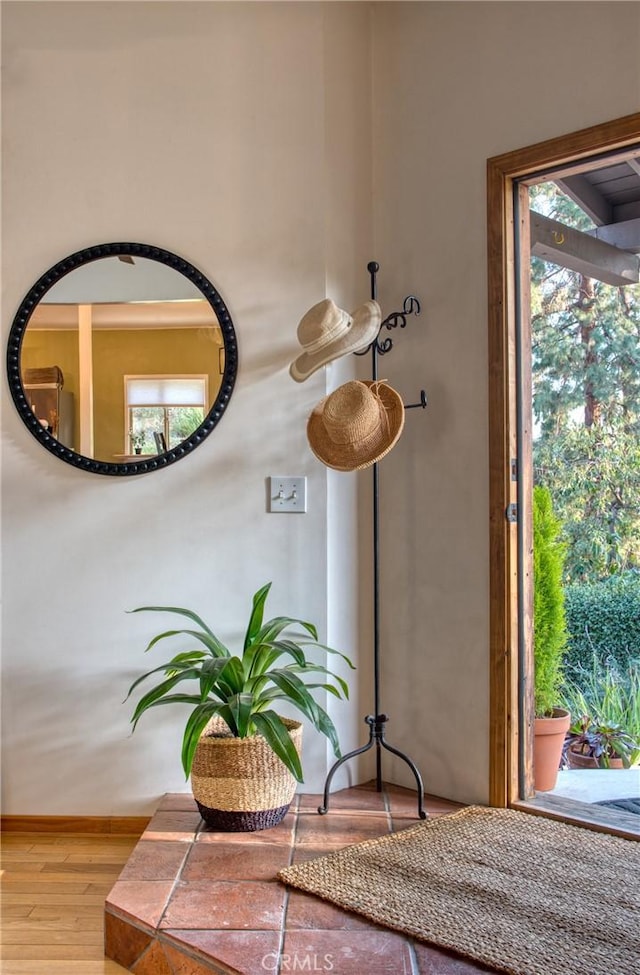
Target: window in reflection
column 162, row 411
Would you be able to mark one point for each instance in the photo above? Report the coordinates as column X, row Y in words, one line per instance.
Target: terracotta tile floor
column 191, row 901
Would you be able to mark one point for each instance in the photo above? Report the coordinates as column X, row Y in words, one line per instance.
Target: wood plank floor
column 53, row 890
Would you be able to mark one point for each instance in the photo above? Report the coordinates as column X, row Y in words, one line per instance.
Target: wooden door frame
column 502, row 173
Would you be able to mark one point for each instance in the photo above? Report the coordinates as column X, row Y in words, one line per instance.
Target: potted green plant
column 596, row 744
column 138, row 440
column 551, row 722
column 606, row 733
column 242, row 756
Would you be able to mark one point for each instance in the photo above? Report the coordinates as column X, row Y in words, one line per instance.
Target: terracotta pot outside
column 548, row 739
column 579, row 759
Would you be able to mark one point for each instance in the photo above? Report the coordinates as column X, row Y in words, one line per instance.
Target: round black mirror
column 122, row 358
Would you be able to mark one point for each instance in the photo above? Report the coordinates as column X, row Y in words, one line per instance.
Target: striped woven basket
column 240, row 784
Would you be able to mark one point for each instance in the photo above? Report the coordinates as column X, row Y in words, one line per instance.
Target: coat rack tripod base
column 377, row 739
column 378, row 720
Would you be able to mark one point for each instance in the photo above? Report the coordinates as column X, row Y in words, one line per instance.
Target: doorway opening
column 564, row 235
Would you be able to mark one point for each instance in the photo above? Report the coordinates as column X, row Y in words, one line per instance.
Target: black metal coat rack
column 378, row 720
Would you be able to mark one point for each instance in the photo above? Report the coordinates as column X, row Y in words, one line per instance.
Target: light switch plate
column 287, row 494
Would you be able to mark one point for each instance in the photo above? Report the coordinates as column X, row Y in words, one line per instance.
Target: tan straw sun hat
column 356, row 425
column 327, row 332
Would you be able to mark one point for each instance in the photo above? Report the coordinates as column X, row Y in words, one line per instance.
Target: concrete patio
column 595, row 785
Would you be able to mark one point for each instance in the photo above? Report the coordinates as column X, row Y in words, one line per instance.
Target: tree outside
column 586, row 450
column 586, row 404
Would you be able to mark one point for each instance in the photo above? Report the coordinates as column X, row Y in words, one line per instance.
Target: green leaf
column 257, row 612
column 160, row 690
column 295, row 691
column 210, row 674
column 318, row 668
column 326, row 726
column 275, row 733
column 276, row 694
column 181, row 611
column 274, row 628
column 169, row 699
column 171, row 666
column 213, row 645
column 337, row 653
column 263, row 660
column 292, row 649
column 231, row 677
column 189, row 614
column 325, row 687
column 261, row 655
column 241, row 706
column 198, row 719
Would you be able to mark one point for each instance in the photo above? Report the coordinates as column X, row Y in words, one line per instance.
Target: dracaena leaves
column 240, row 689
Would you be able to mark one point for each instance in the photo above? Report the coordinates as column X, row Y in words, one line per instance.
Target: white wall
column 239, row 136
column 455, row 84
column 209, row 129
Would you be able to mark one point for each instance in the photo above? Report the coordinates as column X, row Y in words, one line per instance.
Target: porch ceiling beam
column 625, row 235
column 553, row 241
column 587, row 197
column 635, row 165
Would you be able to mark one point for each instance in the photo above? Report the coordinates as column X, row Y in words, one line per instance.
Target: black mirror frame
column 35, row 295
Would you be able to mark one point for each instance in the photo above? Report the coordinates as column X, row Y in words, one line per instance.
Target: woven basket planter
column 240, row 784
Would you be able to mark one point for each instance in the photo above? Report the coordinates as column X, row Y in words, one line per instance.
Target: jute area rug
column 524, row 894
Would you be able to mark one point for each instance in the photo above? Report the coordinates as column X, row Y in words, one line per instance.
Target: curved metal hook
column 422, row 403
column 381, row 347
column 411, row 305
column 394, row 320
column 397, row 319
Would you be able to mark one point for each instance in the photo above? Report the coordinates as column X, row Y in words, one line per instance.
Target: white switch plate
column 287, row 494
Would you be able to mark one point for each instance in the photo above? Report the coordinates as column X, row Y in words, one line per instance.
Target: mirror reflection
column 122, row 358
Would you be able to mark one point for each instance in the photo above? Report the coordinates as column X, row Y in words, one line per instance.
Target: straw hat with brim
column 356, row 425
column 327, row 332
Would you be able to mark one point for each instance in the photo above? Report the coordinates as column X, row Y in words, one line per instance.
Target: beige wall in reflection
column 117, row 353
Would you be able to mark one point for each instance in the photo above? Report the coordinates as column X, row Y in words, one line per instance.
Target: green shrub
column 604, row 618
column 549, row 622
